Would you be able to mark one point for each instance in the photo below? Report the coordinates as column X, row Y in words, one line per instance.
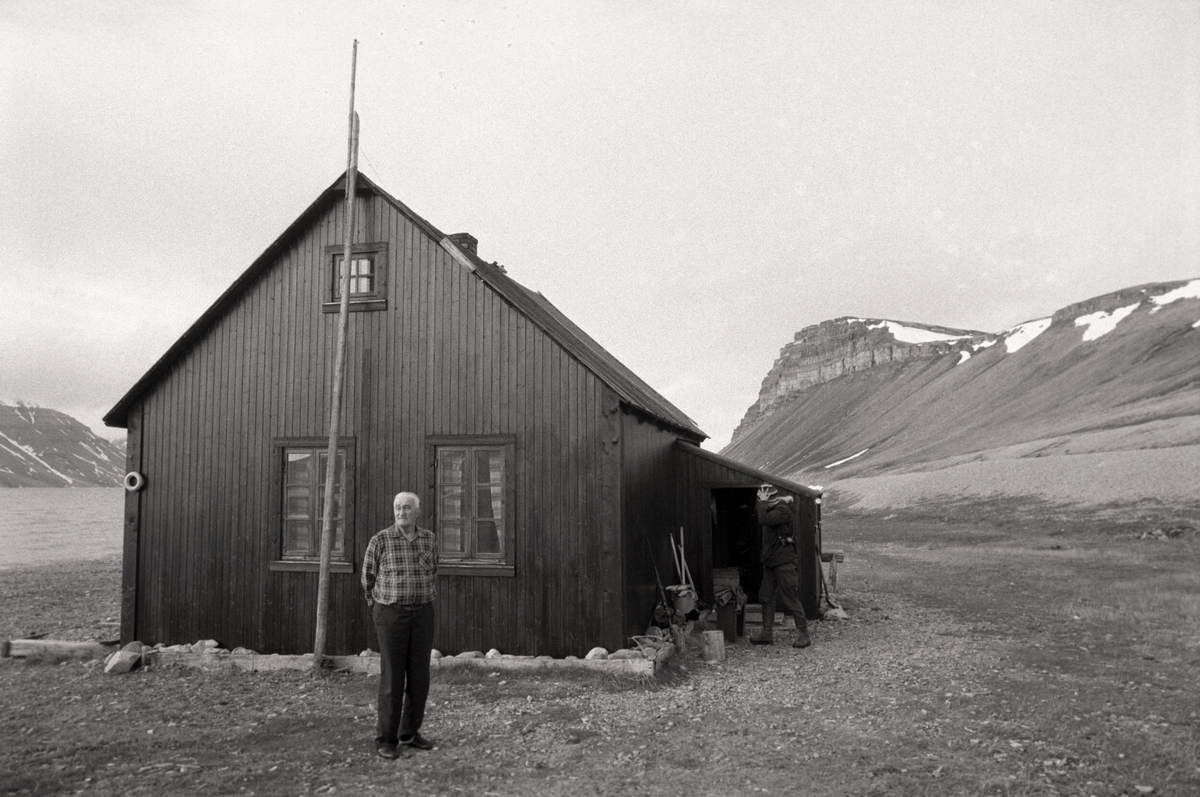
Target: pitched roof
column 628, row 386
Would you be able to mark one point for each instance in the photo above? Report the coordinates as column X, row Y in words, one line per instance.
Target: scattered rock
column 433, row 655
column 492, row 654
column 123, row 660
column 1168, row 533
column 597, row 653
column 835, row 614
column 470, row 654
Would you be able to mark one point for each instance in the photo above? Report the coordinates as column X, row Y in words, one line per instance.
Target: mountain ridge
column 1116, row 372
column 41, row 447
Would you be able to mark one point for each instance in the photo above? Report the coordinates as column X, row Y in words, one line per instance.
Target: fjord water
column 55, row 524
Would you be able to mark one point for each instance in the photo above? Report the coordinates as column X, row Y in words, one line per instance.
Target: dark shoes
column 802, row 640
column 417, row 742
column 386, row 750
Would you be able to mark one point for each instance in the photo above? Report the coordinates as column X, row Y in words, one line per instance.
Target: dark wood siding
column 448, row 356
column 650, row 516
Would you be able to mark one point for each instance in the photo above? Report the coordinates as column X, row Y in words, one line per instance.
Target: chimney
column 465, row 241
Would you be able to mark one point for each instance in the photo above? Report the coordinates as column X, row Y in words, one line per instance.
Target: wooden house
column 550, row 472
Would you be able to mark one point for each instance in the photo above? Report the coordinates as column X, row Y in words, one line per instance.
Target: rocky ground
column 1031, row 654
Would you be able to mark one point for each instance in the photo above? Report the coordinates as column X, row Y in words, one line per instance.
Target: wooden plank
column 131, row 544
column 24, row 648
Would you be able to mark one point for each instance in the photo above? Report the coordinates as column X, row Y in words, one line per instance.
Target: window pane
column 362, row 276
column 299, row 465
column 450, row 466
column 489, row 503
column 297, row 538
column 489, row 466
column 489, row 541
column 450, row 535
column 450, row 503
column 299, row 503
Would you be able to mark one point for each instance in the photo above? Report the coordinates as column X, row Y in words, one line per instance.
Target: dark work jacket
column 775, row 518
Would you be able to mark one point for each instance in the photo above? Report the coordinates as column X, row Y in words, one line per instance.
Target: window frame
column 319, row 445
column 377, row 298
column 505, row 564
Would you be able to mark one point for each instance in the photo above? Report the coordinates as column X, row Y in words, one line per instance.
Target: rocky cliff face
column 859, row 398
column 47, row 448
column 847, row 345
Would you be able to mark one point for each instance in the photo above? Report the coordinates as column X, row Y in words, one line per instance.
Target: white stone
column 435, row 655
column 470, row 654
column 492, row 654
column 597, row 653
column 122, row 661
column 835, row 614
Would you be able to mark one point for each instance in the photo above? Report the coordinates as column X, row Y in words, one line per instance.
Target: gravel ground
column 1030, row 657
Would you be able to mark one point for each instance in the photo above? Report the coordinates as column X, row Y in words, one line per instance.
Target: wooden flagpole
column 339, row 367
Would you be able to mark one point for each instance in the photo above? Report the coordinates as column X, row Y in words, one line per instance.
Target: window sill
column 473, row 569
column 306, row 566
column 356, row 305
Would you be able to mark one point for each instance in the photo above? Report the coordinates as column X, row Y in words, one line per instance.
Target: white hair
column 413, row 496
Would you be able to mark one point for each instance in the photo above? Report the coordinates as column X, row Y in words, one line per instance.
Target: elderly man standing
column 398, row 576
column 780, row 572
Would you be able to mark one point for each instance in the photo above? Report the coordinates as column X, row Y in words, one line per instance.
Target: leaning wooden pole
column 339, row 367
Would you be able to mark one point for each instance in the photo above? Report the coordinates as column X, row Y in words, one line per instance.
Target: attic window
column 368, row 277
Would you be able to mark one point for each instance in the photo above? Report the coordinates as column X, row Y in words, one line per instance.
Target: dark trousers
column 405, row 641
column 785, row 579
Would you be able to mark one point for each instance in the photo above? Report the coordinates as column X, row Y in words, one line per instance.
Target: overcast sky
column 691, row 182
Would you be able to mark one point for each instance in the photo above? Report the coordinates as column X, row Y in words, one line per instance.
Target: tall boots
column 802, row 640
column 766, row 636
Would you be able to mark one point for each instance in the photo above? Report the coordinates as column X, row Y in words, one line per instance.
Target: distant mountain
column 854, row 398
column 47, row 448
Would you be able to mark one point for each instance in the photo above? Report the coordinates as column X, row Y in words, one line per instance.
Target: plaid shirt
column 397, row 571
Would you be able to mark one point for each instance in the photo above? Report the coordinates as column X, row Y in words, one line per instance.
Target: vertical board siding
column 448, row 356
column 649, row 517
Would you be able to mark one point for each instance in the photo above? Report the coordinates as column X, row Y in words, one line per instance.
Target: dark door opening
column 736, row 538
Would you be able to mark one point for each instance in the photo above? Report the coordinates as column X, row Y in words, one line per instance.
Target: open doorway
column 735, row 536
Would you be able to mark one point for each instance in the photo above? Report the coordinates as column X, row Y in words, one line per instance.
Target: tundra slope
column 1098, row 403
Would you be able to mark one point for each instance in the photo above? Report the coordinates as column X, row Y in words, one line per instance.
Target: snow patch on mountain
column 907, row 334
column 1189, row 291
column 847, row 459
column 1020, row 336
column 28, row 452
column 1101, row 323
